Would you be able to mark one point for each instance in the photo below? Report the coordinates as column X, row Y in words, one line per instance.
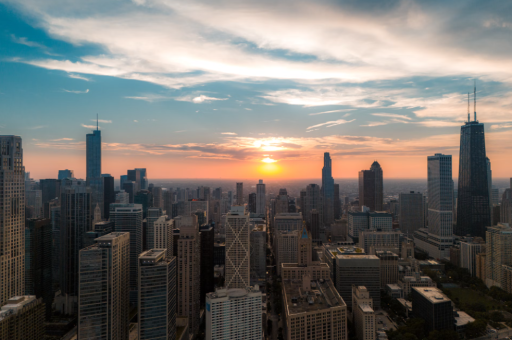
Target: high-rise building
column 431, row 305
column 145, row 198
column 285, row 244
column 128, row 218
column 371, row 192
column 122, row 197
column 234, row 314
column 152, row 215
column 388, row 268
column 251, row 203
column 63, row 174
column 38, row 261
column 327, row 190
column 158, row 199
column 237, row 248
column 315, row 225
column 499, row 252
column 282, row 201
column 130, row 187
column 258, row 245
column 157, row 303
column 50, row 189
column 34, row 203
column 93, row 167
column 337, row 202
column 468, row 251
column 313, row 200
column 109, row 194
column 162, row 235
column 239, row 193
column 188, row 269
column 103, row 301
column 288, row 222
column 363, row 221
column 411, row 213
column 473, row 207
column 22, row 318
column 372, row 241
column 122, row 179
column 12, row 218
column 261, row 200
column 363, row 313
column 207, row 260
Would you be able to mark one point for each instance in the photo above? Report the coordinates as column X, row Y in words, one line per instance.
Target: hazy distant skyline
column 250, row 89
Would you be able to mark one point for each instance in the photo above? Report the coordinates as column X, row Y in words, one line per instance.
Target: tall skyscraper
column 313, row 200
column 103, row 311
column 328, row 190
column 237, row 248
column 12, row 218
column 240, row 193
column 251, row 204
column 261, row 201
column 473, row 207
column 371, row 192
column 128, row 218
column 337, row 202
column 93, row 164
column 157, row 295
column 411, row 212
column 258, row 265
column 109, row 194
column 63, row 174
column 207, row 260
column 162, row 235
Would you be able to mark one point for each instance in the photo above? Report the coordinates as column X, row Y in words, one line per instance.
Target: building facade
column 237, row 248
column 22, row 318
column 371, row 188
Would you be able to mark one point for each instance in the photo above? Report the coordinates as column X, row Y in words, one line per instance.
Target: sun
column 268, row 160
column 269, row 168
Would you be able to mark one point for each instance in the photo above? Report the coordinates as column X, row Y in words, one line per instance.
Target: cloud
column 76, row 92
column 38, row 127
column 439, row 123
column 77, row 76
column 371, row 124
column 150, row 98
column 331, row 123
column 62, row 139
column 332, row 111
column 248, row 109
column 26, row 42
column 102, row 121
column 392, row 115
column 92, row 127
column 228, row 133
column 198, row 99
column 501, row 126
column 135, row 121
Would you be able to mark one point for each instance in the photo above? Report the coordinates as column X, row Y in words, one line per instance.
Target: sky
column 249, row 89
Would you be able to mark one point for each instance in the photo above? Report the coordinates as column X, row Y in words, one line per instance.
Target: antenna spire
column 468, row 109
column 97, row 127
column 475, row 99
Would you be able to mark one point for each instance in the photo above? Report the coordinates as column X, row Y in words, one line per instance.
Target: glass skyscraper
column 371, row 189
column 473, row 209
column 93, row 156
column 328, row 189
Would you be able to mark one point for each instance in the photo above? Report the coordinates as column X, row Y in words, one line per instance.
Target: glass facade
column 93, row 156
column 473, row 209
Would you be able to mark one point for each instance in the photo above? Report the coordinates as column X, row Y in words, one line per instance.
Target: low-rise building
column 394, row 291
column 409, row 282
column 431, row 305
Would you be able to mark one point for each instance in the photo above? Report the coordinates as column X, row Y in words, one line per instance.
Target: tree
column 475, row 329
column 497, row 316
column 445, row 334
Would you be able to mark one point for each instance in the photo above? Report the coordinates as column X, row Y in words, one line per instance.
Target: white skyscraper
column 237, row 248
column 233, row 314
column 260, row 198
column 163, row 234
column 12, row 218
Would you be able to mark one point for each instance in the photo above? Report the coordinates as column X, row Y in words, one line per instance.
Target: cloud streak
column 76, row 92
column 331, row 123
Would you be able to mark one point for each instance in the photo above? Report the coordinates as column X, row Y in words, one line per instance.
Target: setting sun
column 268, row 160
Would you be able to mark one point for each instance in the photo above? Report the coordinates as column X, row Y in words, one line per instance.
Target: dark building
column 315, row 225
column 431, row 305
column 131, row 188
column 174, row 210
column 207, row 263
column 38, row 261
column 24, row 321
column 145, row 198
column 252, row 203
column 168, row 197
column 109, row 194
column 217, row 193
column 327, row 190
column 219, row 254
column 371, row 191
column 50, row 189
column 337, row 202
column 175, row 238
column 104, row 227
column 90, row 237
column 473, row 208
column 93, row 156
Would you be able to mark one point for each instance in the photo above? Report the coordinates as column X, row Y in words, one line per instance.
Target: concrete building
column 234, row 313
column 468, row 252
column 285, row 244
column 128, row 218
column 152, row 215
column 372, row 241
column 22, row 318
column 288, row 222
column 239, row 193
column 261, row 201
column 499, row 252
column 313, row 310
column 481, row 270
column 365, row 220
column 415, row 280
column 313, row 200
column 361, row 270
column 431, row 305
column 363, row 314
column 388, row 267
column 258, row 245
column 157, row 295
column 162, row 234
column 237, row 248
column 103, row 297
column 188, row 271
column 407, row 249
column 371, row 187
column 411, row 213
column 455, row 255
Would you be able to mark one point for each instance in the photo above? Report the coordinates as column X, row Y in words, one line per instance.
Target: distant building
column 327, row 191
column 431, row 305
column 411, row 215
column 261, row 202
column 237, row 248
column 360, row 270
column 162, row 235
column 251, row 203
column 239, row 193
column 288, row 222
column 371, row 188
column 234, row 313
column 362, row 221
column 372, row 241
column 285, row 244
column 416, row 280
column 63, row 174
column 258, row 246
column 388, row 267
column 499, row 252
column 468, row 252
column 22, row 318
column 363, row 313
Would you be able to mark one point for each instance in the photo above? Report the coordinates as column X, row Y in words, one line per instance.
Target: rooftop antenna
column 475, row 99
column 468, row 108
column 97, row 127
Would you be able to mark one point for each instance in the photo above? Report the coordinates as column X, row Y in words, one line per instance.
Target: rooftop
column 323, row 295
column 366, row 308
column 233, row 292
column 462, row 318
column 16, row 304
column 432, row 294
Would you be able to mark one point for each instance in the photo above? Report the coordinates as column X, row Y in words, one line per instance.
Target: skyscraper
column 251, row 203
column 313, row 200
column 12, row 218
column 240, row 193
column 328, row 190
column 162, row 235
column 237, row 248
column 411, row 212
column 128, row 218
column 261, row 203
column 157, row 295
column 93, row 164
column 103, row 311
column 109, row 195
column 63, row 174
column 473, row 208
column 207, row 260
column 371, row 192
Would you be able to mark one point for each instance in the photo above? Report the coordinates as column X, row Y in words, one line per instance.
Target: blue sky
column 183, row 86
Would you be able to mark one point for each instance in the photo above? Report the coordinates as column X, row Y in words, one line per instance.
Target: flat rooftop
column 323, row 295
column 366, row 308
column 432, row 294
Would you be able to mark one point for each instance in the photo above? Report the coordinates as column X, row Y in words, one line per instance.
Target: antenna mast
column 468, row 109
column 475, row 99
column 97, row 127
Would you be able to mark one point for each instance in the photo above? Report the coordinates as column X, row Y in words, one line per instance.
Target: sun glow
column 268, row 160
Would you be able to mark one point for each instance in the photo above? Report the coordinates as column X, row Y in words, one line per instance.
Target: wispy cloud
column 501, row 126
column 371, row 124
column 92, row 127
column 150, row 97
column 78, row 76
column 228, row 133
column 26, row 42
column 198, row 99
column 331, row 123
column 102, row 121
column 62, row 139
column 439, row 123
column 38, row 127
column 392, row 115
column 76, row 92
column 332, row 111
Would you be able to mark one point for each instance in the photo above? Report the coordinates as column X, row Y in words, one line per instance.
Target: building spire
column 97, row 127
column 468, row 109
column 474, row 105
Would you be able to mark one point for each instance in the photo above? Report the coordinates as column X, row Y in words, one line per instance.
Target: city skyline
column 262, row 101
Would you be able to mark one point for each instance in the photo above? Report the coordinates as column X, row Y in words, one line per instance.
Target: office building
column 363, row 313
column 431, row 305
column 158, row 198
column 327, row 190
column 122, row 197
column 506, row 205
column 251, row 203
column 312, row 201
column 128, row 218
column 285, row 244
column 162, row 236
column 388, row 268
column 12, row 223
column 188, row 270
column 411, row 213
column 207, row 260
column 408, row 282
column 109, row 194
column 63, row 174
column 50, row 189
column 38, row 261
column 361, row 221
column 261, row 200
column 144, row 198
column 239, row 193
column 499, row 252
column 103, row 301
column 219, row 254
column 237, row 248
column 157, row 303
column 152, row 215
column 337, row 202
column 468, row 251
column 371, row 192
column 22, row 318
column 506, row 278
column 315, row 225
column 473, row 207
column 93, row 155
column 481, row 270
column 373, row 240
column 281, row 203
column 258, row 245
column 34, row 203
column 288, row 222
column 234, row 314
column 313, row 310
column 361, row 270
